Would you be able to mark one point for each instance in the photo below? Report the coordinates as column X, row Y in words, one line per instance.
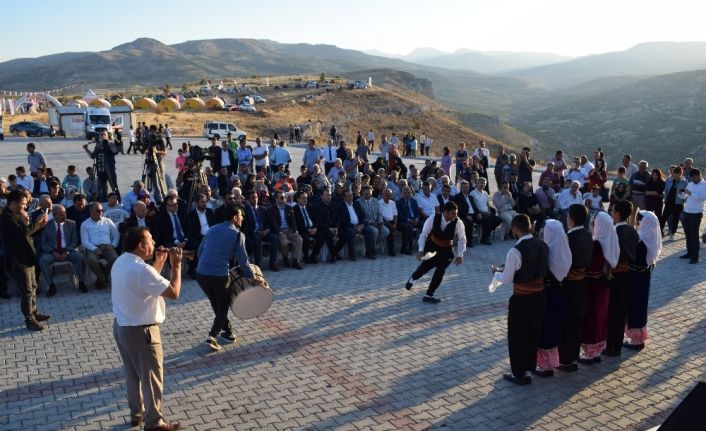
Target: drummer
column 222, row 242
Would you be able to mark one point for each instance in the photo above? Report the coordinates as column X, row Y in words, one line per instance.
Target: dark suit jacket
column 17, row 236
column 194, row 224
column 35, row 190
column 344, row 216
column 47, row 241
column 327, row 215
column 299, row 217
column 463, row 205
column 163, row 230
column 403, row 210
column 275, row 220
column 248, row 227
column 78, row 217
column 441, row 200
column 216, row 160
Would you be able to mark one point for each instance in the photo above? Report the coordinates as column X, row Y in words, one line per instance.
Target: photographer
column 104, row 156
column 153, row 169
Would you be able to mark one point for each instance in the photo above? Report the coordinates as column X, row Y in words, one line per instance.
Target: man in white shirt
column 482, row 153
column 695, row 195
column 388, row 210
column 329, row 156
column 371, row 139
column 436, row 240
column 23, row 180
column 569, row 197
column 630, row 168
column 168, row 136
column 428, row 203
column 138, row 305
column 99, row 237
column 260, row 154
column 486, row 216
column 586, row 167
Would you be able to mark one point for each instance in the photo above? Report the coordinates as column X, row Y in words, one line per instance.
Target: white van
column 219, row 130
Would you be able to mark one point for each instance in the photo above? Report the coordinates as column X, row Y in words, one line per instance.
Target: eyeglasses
column 98, row 210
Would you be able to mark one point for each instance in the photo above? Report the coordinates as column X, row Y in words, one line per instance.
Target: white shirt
column 460, row 234
column 388, row 210
column 225, row 158
column 371, row 136
column 137, row 292
column 27, row 182
column 101, row 232
column 586, row 167
column 131, row 135
column 203, row 221
column 481, row 199
column 259, row 151
column 695, row 202
column 481, row 152
column 576, row 175
column 167, row 132
column 630, row 169
column 329, row 154
column 566, row 199
column 596, row 201
column 141, row 222
column 513, row 262
column 352, row 214
column 428, row 142
column 427, row 204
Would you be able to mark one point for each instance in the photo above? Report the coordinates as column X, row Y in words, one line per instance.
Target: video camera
column 198, row 154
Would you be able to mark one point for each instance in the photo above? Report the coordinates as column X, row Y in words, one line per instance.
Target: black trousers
column 256, row 243
column 311, row 244
column 575, row 308
column 618, row 306
column 670, row 217
column 691, row 223
column 219, row 295
column 3, row 276
column 407, row 236
column 524, row 328
column 443, row 258
column 169, row 143
column 24, row 278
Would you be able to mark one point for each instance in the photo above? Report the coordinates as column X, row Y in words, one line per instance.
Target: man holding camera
column 104, row 155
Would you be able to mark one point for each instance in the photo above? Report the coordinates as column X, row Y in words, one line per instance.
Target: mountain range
column 639, row 97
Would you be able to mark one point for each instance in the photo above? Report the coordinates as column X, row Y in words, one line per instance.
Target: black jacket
column 194, row 224
column 344, row 216
column 163, row 230
column 275, row 221
column 17, row 237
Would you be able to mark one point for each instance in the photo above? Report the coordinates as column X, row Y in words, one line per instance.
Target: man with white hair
column 567, row 198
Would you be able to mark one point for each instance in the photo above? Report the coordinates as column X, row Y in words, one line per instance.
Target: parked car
column 247, row 107
column 258, row 99
column 30, row 128
column 219, row 130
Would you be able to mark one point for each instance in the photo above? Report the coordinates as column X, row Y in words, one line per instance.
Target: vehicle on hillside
column 246, row 107
column 220, row 129
column 258, row 99
column 30, row 128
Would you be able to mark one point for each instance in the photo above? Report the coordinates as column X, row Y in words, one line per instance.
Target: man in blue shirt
column 221, row 243
column 244, row 156
column 281, row 156
column 312, row 155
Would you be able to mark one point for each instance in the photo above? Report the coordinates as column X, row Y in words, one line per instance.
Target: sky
column 567, row 27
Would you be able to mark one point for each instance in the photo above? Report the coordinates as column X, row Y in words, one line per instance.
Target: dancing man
column 436, row 239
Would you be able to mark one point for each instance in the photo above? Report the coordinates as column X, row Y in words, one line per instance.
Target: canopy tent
column 215, row 104
column 51, row 100
column 79, row 103
column 146, row 103
column 123, row 102
column 194, row 103
column 99, row 103
column 169, row 105
column 90, row 95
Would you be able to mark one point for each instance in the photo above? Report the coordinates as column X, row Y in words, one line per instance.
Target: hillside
column 660, row 119
column 488, row 62
column 651, row 58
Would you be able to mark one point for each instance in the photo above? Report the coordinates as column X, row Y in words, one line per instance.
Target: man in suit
column 58, row 243
column 467, row 210
column 170, row 226
column 223, row 157
column 284, row 225
column 327, row 222
column 16, row 232
column 199, row 220
column 256, row 228
column 372, row 218
column 352, row 222
column 228, row 201
column 305, row 216
column 444, row 195
column 408, row 212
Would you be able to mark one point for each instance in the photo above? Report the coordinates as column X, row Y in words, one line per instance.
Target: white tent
column 90, row 95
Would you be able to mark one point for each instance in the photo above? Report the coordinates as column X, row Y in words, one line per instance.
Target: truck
column 89, row 122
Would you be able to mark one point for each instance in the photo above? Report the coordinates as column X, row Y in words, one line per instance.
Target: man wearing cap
column 133, row 195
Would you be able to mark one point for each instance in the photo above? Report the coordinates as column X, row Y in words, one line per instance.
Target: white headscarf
column 604, row 233
column 559, row 251
column 649, row 232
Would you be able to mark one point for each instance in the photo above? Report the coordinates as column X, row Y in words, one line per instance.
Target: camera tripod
column 153, row 176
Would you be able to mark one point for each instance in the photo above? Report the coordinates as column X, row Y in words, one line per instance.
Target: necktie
column 307, row 220
column 58, row 237
column 257, row 221
column 177, row 226
column 330, row 154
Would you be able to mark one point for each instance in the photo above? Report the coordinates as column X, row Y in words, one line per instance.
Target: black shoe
column 470, row 244
column 296, row 265
column 586, row 361
column 486, row 241
column 82, row 287
column 543, row 373
column 352, row 258
column 136, row 422
column 571, row 368
column 635, row 347
column 332, row 259
column 337, row 256
column 100, row 285
column 597, row 360
column 5, row 295
column 52, row 290
column 273, row 267
column 431, row 299
column 41, row 317
column 685, row 256
column 611, row 352
column 33, row 325
column 285, row 262
column 526, row 380
column 370, row 256
column 408, row 285
column 227, row 337
column 694, row 260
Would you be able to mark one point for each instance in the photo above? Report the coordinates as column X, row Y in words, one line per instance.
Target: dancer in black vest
column 575, row 293
column 437, row 236
column 526, row 265
column 619, row 302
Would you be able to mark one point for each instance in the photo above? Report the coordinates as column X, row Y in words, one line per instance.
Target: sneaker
column 431, row 299
column 213, row 343
column 227, row 337
column 39, row 317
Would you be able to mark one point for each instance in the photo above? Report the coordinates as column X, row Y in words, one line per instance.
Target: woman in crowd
column 446, row 160
column 654, row 196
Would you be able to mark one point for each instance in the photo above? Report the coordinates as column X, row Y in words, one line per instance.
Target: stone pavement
column 344, row 346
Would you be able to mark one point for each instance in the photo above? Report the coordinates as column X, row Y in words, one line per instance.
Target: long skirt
column 548, row 352
column 595, row 325
column 636, row 329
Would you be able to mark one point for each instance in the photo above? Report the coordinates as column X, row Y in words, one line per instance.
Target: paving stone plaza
column 343, row 347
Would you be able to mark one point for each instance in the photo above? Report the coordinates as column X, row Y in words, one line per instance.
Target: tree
column 322, row 78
